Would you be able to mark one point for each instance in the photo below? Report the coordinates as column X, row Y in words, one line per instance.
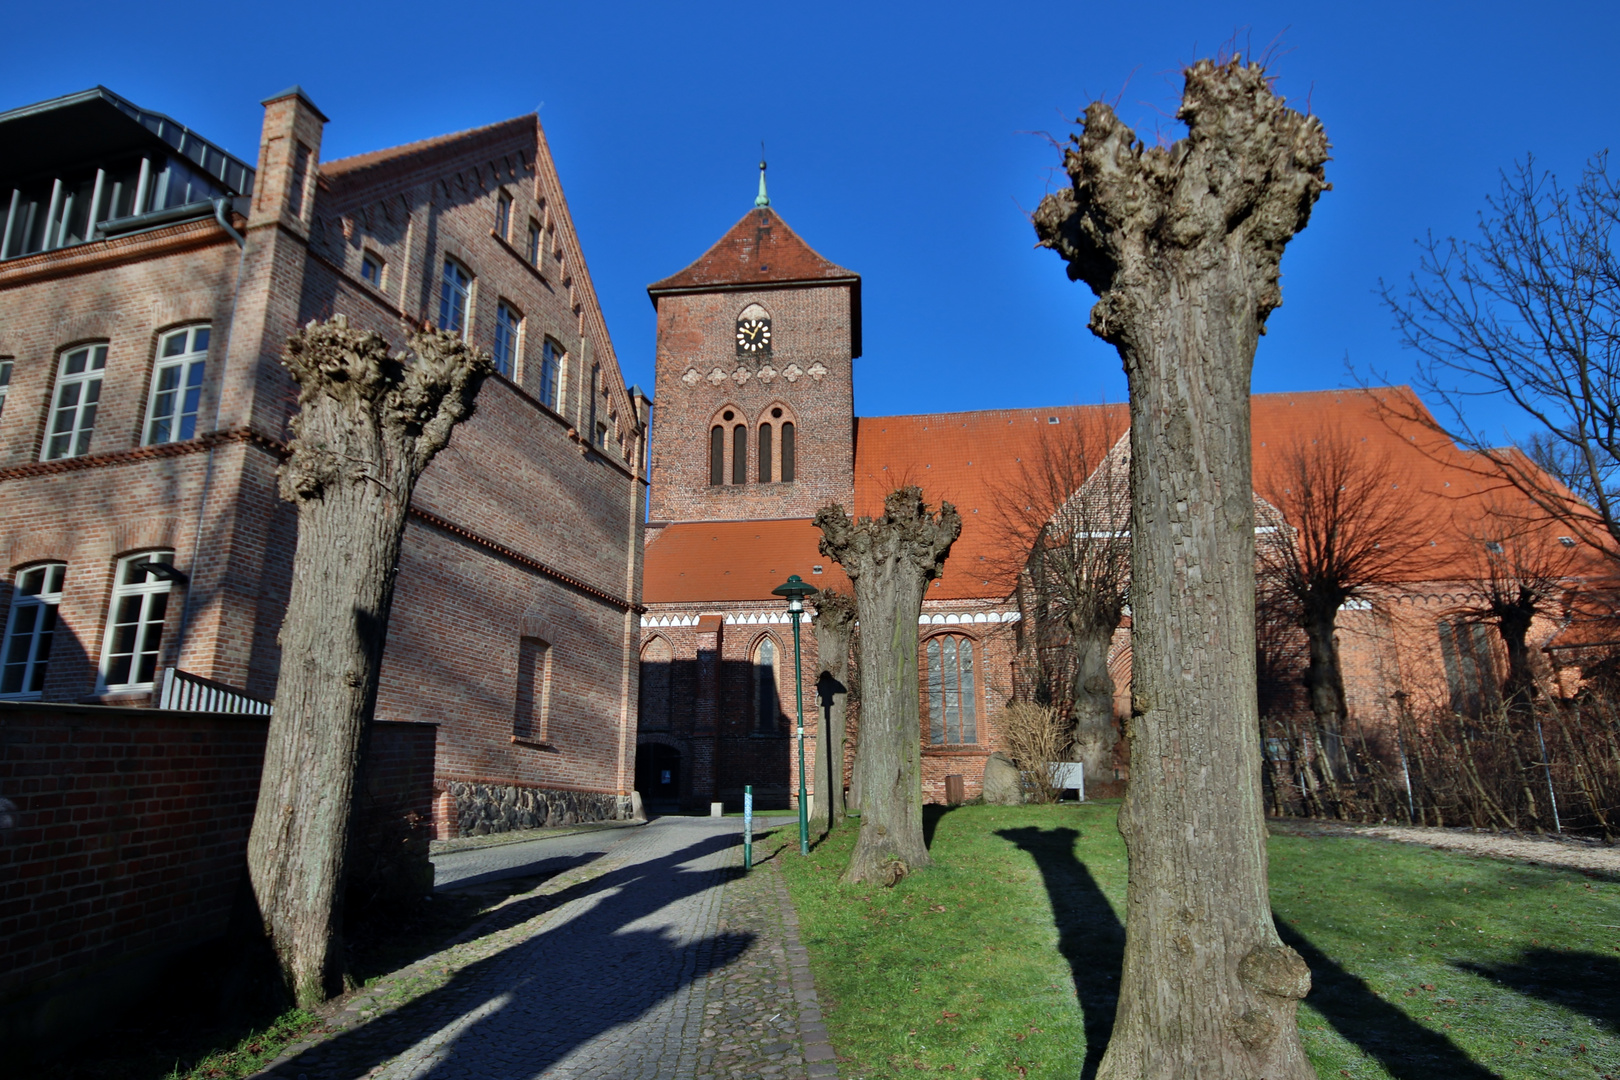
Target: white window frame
column 74, row 422
column 182, row 401
column 144, row 592
column 369, row 259
column 455, row 287
column 551, row 370
column 36, row 658
column 508, row 338
column 6, row 364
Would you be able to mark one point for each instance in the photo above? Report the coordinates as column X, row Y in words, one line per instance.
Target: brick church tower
column 754, row 384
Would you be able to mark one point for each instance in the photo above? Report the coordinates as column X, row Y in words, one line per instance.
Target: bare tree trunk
column 369, row 423
column 1182, row 245
column 1324, row 685
column 890, row 562
column 835, row 618
column 1094, row 734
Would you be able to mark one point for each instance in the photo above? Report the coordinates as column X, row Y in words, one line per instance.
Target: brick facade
column 526, row 529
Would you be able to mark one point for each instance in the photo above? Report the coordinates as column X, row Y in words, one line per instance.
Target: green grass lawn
column 1003, row 959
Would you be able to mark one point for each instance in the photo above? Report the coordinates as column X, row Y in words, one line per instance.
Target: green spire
column 763, row 199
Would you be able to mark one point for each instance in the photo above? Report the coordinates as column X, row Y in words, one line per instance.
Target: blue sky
column 899, row 142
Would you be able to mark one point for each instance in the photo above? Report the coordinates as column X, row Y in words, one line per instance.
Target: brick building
column 148, row 280
column 756, row 344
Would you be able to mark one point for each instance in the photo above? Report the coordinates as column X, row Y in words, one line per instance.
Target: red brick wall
column 130, row 830
column 697, row 333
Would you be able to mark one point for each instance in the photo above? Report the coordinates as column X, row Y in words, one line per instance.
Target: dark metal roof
column 54, row 136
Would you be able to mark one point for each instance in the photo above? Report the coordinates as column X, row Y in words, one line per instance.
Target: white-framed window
column 171, row 414
column 455, row 289
column 29, row 628
column 73, row 410
column 532, row 712
column 767, row 696
column 372, row 269
column 134, row 637
column 952, row 693
column 5, row 382
column 508, row 327
column 503, row 216
column 533, row 250
column 551, row 358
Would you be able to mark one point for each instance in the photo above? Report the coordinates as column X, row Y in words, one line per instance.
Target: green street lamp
column 796, row 592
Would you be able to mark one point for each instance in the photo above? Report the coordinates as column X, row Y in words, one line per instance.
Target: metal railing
column 185, row 692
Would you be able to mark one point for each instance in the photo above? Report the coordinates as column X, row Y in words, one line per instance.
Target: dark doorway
column 658, row 776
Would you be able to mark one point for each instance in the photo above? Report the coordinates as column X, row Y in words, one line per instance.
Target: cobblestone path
column 660, row 959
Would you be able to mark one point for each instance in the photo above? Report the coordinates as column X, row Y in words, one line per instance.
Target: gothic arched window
column 786, row 474
column 656, row 661
column 767, row 701
column 739, row 454
column 717, row 455
column 951, row 692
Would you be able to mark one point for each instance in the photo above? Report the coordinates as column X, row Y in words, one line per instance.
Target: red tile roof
column 976, row 460
column 734, row 561
column 758, row 250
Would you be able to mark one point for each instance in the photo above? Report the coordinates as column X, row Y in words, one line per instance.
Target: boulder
column 1002, row 784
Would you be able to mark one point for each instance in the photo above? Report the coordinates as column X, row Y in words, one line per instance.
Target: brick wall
column 129, row 838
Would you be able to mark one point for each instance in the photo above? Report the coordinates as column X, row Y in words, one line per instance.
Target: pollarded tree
column 1347, row 530
column 834, row 622
column 889, row 560
column 1182, row 245
column 369, row 422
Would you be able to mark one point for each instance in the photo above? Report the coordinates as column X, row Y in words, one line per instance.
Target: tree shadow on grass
column 1405, row 1048
column 1090, row 936
column 932, row 812
column 516, row 1013
column 1583, row 982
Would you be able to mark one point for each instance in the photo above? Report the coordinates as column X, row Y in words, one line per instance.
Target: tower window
column 739, row 454
column 717, row 455
column 371, row 268
column 787, row 452
column 764, row 453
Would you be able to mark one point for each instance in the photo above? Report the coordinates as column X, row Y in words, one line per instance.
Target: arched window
column 134, row 637
column 951, row 691
column 717, row 455
column 27, row 650
column 787, row 452
column 739, row 454
column 767, row 702
column 171, row 413
column 657, row 658
column 764, row 453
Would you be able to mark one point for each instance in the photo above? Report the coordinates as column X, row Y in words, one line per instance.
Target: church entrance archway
column 658, row 776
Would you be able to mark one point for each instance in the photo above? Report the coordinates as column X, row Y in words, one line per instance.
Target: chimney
column 289, row 156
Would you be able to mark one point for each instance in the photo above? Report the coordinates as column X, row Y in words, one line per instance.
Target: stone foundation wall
column 481, row 809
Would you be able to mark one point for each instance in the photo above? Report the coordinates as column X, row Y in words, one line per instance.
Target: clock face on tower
column 753, row 336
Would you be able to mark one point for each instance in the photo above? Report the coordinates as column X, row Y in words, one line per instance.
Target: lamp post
column 796, row 591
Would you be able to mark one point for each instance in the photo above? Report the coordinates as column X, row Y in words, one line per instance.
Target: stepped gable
column 759, row 250
column 734, row 561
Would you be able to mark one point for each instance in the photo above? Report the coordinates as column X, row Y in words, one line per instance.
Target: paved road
column 651, row 957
